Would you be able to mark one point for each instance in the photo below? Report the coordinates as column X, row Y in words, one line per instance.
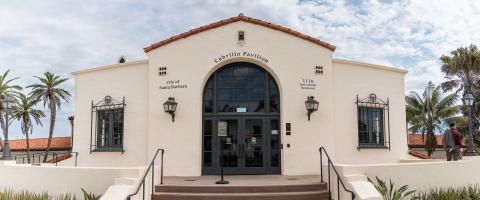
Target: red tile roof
column 243, row 18
column 40, row 144
column 416, row 141
column 418, row 155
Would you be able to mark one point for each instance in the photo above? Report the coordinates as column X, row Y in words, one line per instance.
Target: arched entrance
column 241, row 121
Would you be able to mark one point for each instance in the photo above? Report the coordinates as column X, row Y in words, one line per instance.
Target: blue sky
column 65, row 36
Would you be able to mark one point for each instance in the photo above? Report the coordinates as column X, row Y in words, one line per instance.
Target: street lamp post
column 7, row 105
column 71, row 118
column 468, row 100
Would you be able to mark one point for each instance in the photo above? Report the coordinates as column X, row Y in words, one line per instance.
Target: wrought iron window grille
column 111, row 139
column 373, row 115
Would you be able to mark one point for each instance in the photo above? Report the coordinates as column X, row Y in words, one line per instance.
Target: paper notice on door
column 274, row 132
column 241, row 109
column 222, row 128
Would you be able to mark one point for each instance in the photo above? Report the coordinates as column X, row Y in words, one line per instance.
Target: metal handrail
column 40, row 155
column 150, row 166
column 339, row 180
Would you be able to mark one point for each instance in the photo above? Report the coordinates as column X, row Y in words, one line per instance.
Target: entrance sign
column 222, row 128
column 308, row 84
column 172, row 84
column 274, row 132
column 234, row 54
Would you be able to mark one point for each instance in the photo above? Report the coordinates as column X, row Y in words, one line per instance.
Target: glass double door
column 245, row 145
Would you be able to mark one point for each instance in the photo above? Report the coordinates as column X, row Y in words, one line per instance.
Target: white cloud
column 36, row 36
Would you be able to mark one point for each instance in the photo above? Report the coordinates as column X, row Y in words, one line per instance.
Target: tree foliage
column 428, row 113
column 24, row 110
column 49, row 91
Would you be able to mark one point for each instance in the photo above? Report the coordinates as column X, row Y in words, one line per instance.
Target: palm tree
column 6, row 89
column 462, row 70
column 49, row 92
column 429, row 113
column 24, row 111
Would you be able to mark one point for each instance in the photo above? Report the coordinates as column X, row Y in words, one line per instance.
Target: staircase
column 310, row 191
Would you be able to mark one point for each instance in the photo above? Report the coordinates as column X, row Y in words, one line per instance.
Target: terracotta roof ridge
column 38, row 138
column 244, row 18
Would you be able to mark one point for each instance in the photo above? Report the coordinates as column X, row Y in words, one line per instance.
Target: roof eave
column 241, row 17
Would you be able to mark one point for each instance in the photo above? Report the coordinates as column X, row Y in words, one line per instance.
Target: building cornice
column 118, row 65
column 374, row 66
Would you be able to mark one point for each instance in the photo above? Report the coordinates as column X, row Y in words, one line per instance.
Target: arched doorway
column 241, row 121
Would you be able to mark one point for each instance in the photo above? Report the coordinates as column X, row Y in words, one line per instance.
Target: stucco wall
column 191, row 60
column 421, row 176
column 61, row 180
column 352, row 79
column 121, row 80
column 439, row 153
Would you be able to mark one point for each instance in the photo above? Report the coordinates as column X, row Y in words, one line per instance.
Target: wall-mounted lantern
column 312, row 105
column 170, row 106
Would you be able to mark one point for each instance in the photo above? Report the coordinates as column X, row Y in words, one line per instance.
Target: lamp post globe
column 7, row 102
column 468, row 100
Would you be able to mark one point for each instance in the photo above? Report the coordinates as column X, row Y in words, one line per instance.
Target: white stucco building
column 241, row 86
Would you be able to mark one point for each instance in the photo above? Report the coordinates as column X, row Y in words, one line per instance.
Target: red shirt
column 456, row 137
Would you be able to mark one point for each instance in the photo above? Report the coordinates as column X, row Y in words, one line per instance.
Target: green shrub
column 390, row 192
column 89, row 196
column 25, row 195
column 471, row 192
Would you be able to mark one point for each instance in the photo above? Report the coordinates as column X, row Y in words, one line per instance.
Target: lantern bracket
column 312, row 105
column 170, row 106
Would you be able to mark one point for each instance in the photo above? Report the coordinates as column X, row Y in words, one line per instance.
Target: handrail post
column 76, row 155
column 321, row 165
column 330, row 166
column 153, row 175
column 151, row 166
column 329, row 187
column 338, row 188
column 161, row 169
column 143, row 187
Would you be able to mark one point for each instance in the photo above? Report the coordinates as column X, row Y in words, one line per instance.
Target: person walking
column 451, row 142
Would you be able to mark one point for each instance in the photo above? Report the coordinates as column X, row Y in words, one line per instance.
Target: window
column 241, row 36
column 241, row 88
column 107, row 128
column 110, row 130
column 370, row 127
column 373, row 123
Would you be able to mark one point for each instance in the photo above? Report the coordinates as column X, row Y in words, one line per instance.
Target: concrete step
column 240, row 189
column 306, row 195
